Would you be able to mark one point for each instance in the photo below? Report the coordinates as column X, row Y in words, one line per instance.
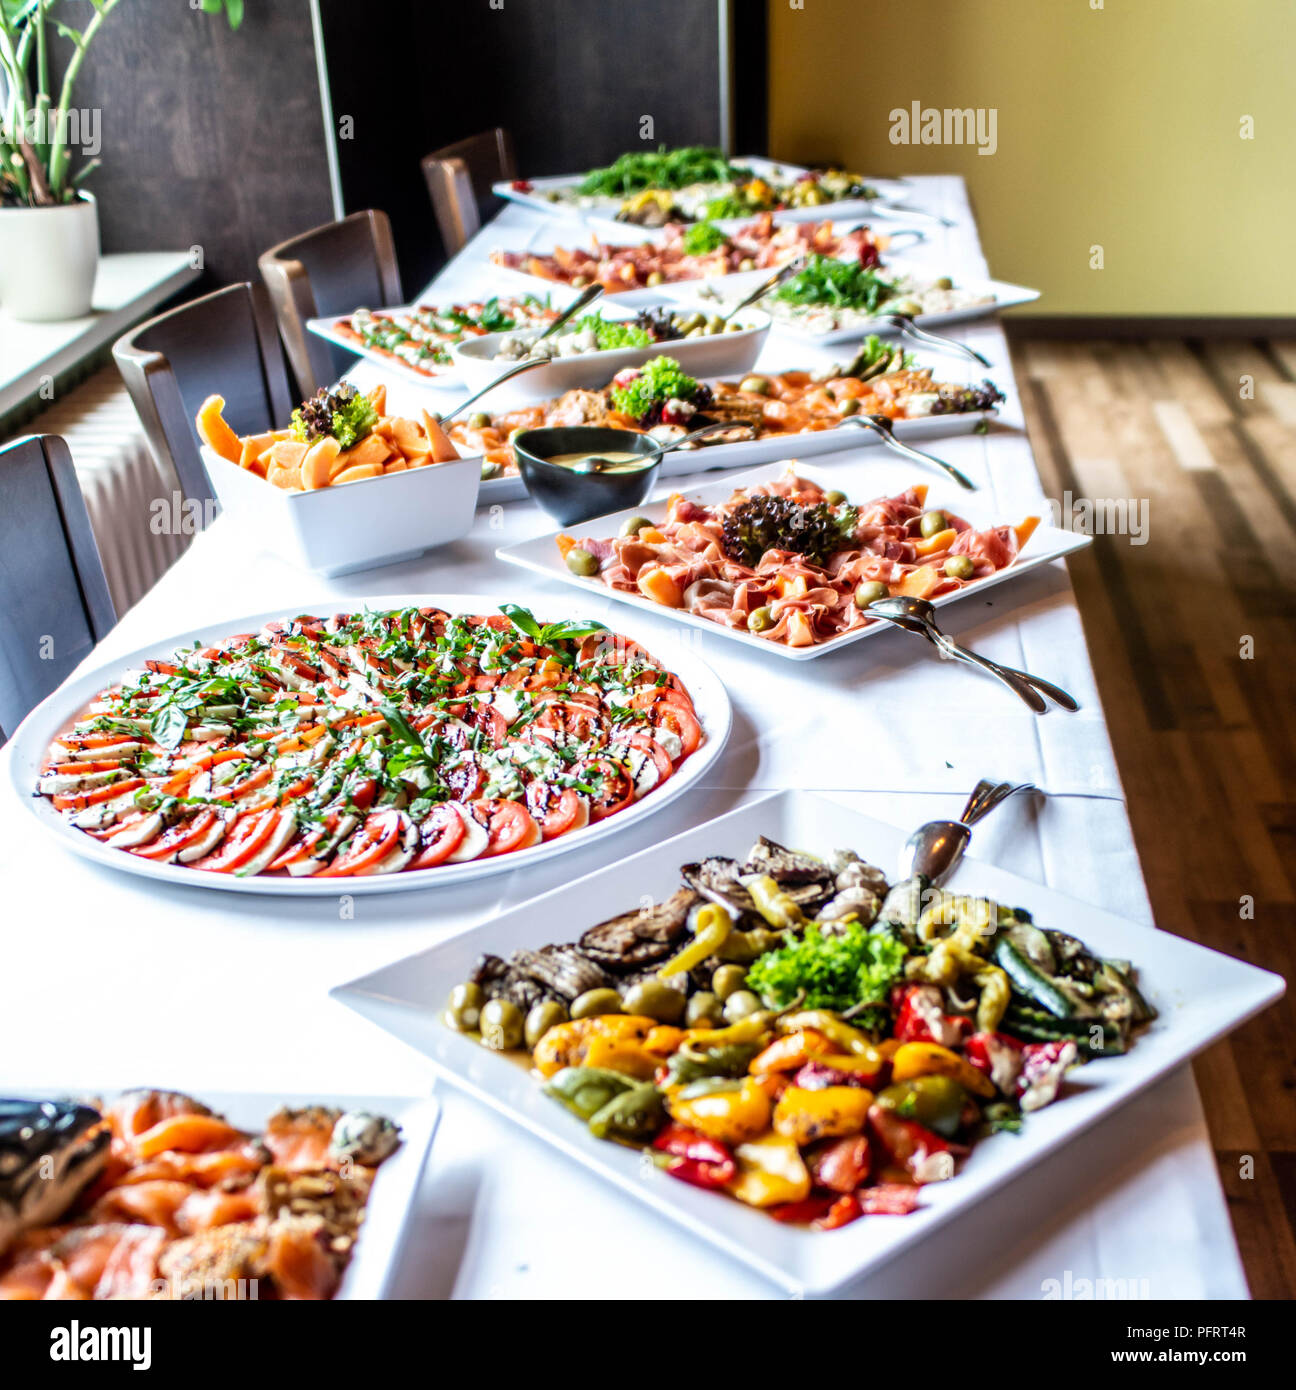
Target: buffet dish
column 670, row 555
column 344, row 487
column 765, row 411
column 695, row 183
column 591, row 350
column 155, row 1194
column 687, row 253
column 396, row 748
column 416, row 341
column 794, row 1099
column 792, row 563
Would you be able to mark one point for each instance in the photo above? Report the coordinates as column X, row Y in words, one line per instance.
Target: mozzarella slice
column 405, row 850
column 139, row 832
column 273, row 848
column 58, row 783
column 475, row 837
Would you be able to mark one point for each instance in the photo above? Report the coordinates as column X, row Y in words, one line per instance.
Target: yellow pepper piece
column 731, row 1116
column 770, row 1171
column 776, row 906
column 711, row 930
column 615, row 1039
column 789, row 1052
column 828, row 1113
column 930, row 1059
column 841, row 1035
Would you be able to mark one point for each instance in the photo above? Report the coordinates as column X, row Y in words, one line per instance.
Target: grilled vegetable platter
column 397, row 746
column 792, row 1031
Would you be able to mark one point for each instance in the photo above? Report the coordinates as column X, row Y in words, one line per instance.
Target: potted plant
column 49, row 227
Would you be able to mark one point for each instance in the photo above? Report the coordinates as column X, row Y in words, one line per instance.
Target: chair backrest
column 334, row 269
column 459, row 179
column 53, row 593
column 223, row 344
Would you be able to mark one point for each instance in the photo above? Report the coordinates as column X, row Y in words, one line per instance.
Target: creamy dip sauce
column 617, row 462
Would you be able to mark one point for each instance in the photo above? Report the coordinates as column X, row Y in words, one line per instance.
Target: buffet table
column 206, row 990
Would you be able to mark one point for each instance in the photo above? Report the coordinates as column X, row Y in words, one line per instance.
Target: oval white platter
column 32, row 738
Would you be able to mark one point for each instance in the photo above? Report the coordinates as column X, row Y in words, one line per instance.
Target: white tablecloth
column 108, row 984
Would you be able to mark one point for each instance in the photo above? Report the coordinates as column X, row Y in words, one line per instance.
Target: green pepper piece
column 587, row 1090
column 710, row 1086
column 691, row 1063
column 936, row 1102
column 634, row 1115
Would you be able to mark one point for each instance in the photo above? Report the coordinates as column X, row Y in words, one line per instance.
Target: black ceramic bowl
column 571, row 497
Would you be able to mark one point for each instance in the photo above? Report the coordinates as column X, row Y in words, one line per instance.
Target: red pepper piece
column 925, row 1156
column 697, row 1160
column 710, row 1176
column 887, row 1199
column 801, row 1213
column 842, row 1212
column 843, row 1164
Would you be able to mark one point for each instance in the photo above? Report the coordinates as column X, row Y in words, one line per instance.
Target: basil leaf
column 523, row 619
column 571, row 627
column 168, row 725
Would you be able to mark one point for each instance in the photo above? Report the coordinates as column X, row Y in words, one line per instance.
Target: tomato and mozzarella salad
column 371, row 743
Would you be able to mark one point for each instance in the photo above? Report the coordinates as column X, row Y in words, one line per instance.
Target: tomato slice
column 674, row 709
column 375, row 839
column 467, row 780
column 613, row 787
column 645, row 743
column 172, row 840
column 509, row 826
column 245, row 839
column 442, row 833
column 575, row 718
column 259, row 777
column 78, row 801
column 557, row 809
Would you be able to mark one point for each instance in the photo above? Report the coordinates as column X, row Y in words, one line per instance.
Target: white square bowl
column 351, row 526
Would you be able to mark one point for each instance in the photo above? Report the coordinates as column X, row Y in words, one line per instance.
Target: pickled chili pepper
column 695, row 1159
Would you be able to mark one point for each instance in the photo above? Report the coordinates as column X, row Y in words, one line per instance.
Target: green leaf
column 574, row 628
column 234, row 12
column 523, row 619
column 401, row 729
column 168, row 725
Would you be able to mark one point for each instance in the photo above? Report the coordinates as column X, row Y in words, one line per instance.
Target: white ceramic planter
column 48, row 259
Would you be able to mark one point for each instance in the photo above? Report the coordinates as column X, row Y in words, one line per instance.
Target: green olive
column 595, row 1002
column 755, row 385
column 502, row 1025
column 849, row 406
column 655, row 277
column 631, row 526
column 578, row 282
column 703, row 1010
column 464, row 1009
column 960, row 567
column 733, row 326
column 727, row 980
column 746, row 263
column 544, row 1016
column 581, row 562
column 715, row 324
column 943, row 283
column 655, row 999
column 479, row 420
column 834, row 498
column 741, row 1003
column 869, row 591
column 932, row 524
column 760, row 620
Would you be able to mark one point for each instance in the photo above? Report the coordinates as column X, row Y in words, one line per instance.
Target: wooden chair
column 53, row 593
column 334, row 269
column 223, row 344
column 459, row 179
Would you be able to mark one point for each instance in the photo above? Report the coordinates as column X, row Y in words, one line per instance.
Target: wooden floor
column 1193, row 636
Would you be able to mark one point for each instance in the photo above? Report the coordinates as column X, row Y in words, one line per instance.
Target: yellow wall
column 1117, row 126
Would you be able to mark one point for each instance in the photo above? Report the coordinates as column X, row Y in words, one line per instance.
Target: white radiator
column 133, row 501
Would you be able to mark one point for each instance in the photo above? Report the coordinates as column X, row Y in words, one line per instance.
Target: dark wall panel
column 210, row 137
column 570, row 78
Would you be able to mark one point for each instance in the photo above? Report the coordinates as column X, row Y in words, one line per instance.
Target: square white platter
column 1199, row 994
column 540, row 554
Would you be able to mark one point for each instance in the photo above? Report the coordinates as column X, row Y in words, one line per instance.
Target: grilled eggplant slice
column 50, row 1152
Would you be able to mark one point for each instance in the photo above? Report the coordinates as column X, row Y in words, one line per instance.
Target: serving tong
column 918, row 615
column 934, row 850
column 883, row 428
column 907, row 328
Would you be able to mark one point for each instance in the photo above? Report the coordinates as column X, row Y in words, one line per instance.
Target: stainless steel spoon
column 918, row 615
column 786, row 272
column 934, row 850
column 596, row 463
column 881, row 426
column 909, row 329
column 586, row 297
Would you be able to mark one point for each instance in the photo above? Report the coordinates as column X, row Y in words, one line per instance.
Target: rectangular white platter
column 860, row 482
column 1200, row 995
column 1006, row 296
column 606, row 209
column 380, row 1246
column 449, row 377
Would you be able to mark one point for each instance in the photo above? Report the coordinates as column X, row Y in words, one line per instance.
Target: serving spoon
column 918, row 615
column 882, row 427
column 907, row 328
column 596, row 463
column 934, row 850
column 785, row 272
column 586, row 297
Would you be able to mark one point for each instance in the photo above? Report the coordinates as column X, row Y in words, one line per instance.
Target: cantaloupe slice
column 942, row 540
column 214, row 432
column 442, row 446
column 316, row 467
column 355, row 475
column 655, row 583
column 920, row 582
